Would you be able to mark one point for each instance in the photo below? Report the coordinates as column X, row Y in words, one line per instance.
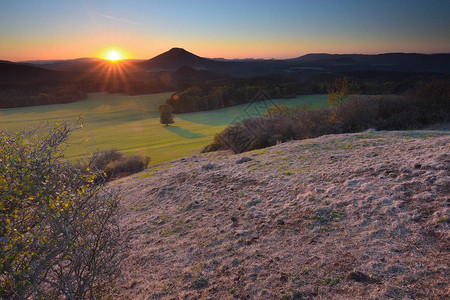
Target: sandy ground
column 353, row 216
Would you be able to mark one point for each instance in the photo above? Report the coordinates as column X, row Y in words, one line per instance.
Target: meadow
column 131, row 123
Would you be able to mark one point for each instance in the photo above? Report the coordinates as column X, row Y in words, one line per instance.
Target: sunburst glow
column 113, row 73
column 114, row 55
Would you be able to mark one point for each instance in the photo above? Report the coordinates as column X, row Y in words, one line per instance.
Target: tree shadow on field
column 184, row 132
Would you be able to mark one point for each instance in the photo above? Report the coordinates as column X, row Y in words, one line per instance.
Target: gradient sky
column 62, row 29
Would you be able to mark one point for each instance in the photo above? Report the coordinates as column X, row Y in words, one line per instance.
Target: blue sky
column 50, row 29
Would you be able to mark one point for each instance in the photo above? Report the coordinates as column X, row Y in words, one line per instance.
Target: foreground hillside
column 362, row 216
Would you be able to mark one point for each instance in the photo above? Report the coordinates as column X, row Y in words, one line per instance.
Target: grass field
column 131, row 123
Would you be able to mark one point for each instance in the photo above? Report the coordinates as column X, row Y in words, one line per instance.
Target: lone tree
column 166, row 117
column 340, row 90
column 276, row 109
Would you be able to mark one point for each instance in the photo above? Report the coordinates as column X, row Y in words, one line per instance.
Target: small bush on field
column 58, row 229
column 427, row 104
column 127, row 165
column 105, row 157
column 113, row 164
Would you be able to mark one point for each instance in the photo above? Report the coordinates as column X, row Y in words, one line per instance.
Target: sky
column 67, row 29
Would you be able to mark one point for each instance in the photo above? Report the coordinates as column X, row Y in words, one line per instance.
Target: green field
column 131, row 123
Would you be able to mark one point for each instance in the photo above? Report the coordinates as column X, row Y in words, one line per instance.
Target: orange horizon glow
column 93, row 45
column 228, row 50
column 287, row 29
column 113, row 54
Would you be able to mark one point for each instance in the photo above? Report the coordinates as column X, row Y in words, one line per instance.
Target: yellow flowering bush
column 58, row 233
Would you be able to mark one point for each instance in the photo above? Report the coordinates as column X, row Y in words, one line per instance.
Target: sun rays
column 113, row 73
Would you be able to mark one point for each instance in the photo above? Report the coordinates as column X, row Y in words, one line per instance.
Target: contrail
column 98, row 14
column 111, row 17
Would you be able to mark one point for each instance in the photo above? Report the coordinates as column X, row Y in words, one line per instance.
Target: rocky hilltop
column 353, row 216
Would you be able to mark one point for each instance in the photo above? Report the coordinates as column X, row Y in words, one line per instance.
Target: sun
column 114, row 55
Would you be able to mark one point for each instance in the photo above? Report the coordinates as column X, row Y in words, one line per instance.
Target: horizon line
column 219, row 58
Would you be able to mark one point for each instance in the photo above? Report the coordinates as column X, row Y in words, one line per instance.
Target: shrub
column 298, row 123
column 427, row 104
column 126, row 166
column 58, row 231
column 357, row 114
column 113, row 164
column 105, row 157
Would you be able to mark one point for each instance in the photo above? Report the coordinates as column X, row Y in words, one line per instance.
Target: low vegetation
column 427, row 104
column 112, row 163
column 58, row 228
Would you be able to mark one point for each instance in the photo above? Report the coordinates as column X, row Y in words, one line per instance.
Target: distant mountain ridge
column 176, row 58
column 178, row 69
column 86, row 64
column 383, row 62
column 11, row 72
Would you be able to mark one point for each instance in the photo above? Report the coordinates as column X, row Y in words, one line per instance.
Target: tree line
column 224, row 93
column 196, row 90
